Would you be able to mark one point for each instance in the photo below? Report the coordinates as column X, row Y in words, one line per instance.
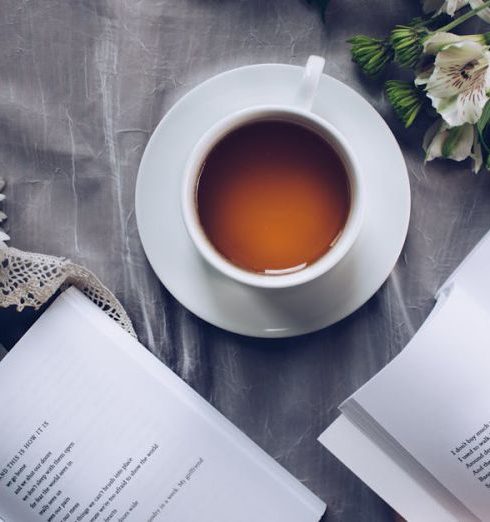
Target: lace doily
column 30, row 279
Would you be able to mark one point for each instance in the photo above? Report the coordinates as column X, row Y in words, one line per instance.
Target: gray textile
column 82, row 86
column 3, row 352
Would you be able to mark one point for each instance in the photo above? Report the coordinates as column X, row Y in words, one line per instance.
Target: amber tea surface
column 273, row 197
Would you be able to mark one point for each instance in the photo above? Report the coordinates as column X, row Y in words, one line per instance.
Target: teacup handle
column 309, row 84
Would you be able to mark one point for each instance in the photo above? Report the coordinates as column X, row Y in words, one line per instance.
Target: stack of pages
column 418, row 433
column 94, row 428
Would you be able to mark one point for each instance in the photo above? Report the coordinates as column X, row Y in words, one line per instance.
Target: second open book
column 418, row 433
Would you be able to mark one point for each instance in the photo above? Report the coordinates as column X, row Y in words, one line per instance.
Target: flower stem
column 463, row 18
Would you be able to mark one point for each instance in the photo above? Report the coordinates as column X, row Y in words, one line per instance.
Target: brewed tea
column 273, row 197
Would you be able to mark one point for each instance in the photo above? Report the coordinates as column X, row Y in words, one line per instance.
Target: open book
column 418, row 433
column 94, row 428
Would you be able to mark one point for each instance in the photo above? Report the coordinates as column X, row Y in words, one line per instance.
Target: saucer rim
column 218, row 321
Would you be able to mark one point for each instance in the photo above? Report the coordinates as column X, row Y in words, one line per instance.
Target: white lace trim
column 30, row 279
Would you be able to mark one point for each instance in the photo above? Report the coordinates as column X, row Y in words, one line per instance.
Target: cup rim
column 192, row 172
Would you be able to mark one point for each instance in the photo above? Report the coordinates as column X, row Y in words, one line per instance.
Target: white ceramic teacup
column 300, row 113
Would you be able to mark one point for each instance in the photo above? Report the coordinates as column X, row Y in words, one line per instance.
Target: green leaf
column 484, row 118
column 481, row 126
column 453, row 136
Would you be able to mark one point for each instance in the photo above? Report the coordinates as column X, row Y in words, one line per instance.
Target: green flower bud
column 407, row 43
column 406, row 100
column 371, row 54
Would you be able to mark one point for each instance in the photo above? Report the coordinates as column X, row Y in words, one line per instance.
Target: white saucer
column 251, row 311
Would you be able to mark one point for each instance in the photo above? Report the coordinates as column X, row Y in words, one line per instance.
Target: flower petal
column 433, row 140
column 470, row 105
column 456, row 143
column 443, row 6
column 451, row 6
column 447, row 108
column 437, row 41
column 458, row 84
column 459, row 52
column 454, row 68
column 442, row 85
column 484, row 14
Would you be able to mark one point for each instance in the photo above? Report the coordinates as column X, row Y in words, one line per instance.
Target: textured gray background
column 82, row 86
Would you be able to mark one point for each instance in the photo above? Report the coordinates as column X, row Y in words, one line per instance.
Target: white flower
column 459, row 81
column 456, row 143
column 437, row 41
column 484, row 14
column 450, row 7
column 443, row 6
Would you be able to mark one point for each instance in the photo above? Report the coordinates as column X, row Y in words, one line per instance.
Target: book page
column 382, row 473
column 94, row 428
column 433, row 399
column 472, row 274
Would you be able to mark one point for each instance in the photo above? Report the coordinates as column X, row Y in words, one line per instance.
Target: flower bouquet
column 451, row 77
